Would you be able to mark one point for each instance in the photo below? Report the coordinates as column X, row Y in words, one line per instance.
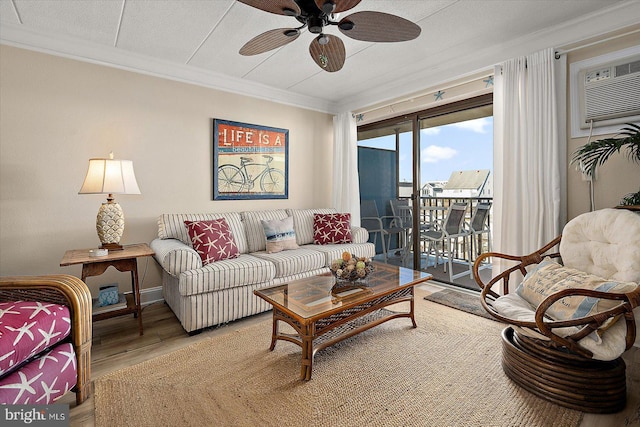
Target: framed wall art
column 249, row 161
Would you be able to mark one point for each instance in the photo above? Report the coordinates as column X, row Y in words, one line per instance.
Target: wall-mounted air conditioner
column 609, row 93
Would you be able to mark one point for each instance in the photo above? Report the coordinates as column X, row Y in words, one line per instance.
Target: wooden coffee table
column 322, row 316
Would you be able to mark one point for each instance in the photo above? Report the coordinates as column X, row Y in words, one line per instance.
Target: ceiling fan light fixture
column 323, row 39
column 289, row 12
column 315, row 25
column 328, row 7
column 346, row 25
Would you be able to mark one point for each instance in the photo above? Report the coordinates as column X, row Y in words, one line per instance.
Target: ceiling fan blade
column 330, row 57
column 269, row 40
column 378, row 27
column 279, row 7
column 341, row 5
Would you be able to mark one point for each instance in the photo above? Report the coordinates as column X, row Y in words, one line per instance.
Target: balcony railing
column 434, row 210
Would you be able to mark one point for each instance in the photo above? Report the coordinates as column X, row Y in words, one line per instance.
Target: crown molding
column 431, row 75
column 86, row 51
column 427, row 75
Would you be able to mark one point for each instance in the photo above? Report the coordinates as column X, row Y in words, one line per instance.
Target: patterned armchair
column 45, row 339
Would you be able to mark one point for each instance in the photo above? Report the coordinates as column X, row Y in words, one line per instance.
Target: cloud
column 430, row 131
column 475, row 125
column 435, row 153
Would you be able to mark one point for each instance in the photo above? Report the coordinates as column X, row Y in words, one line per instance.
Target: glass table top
column 316, row 296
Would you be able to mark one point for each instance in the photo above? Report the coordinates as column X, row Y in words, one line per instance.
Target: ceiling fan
column 328, row 50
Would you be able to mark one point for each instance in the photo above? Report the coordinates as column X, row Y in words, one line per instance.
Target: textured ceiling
column 198, row 41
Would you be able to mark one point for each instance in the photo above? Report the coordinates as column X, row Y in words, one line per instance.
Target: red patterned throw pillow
column 331, row 228
column 212, row 240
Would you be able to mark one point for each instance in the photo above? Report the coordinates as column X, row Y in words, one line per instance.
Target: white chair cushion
column 605, row 243
column 604, row 346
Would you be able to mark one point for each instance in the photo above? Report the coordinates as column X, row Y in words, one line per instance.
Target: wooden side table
column 124, row 260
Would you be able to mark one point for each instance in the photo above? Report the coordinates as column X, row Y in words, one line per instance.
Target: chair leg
column 408, row 243
column 435, row 248
column 388, row 242
column 375, row 238
column 449, row 261
column 431, row 247
column 384, row 250
column 471, row 251
column 470, row 257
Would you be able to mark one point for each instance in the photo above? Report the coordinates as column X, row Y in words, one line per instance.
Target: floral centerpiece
column 351, row 268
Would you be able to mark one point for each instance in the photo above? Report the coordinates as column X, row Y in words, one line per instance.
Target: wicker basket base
column 564, row 378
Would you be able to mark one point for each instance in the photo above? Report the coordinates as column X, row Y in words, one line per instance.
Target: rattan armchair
column 550, row 357
column 64, row 290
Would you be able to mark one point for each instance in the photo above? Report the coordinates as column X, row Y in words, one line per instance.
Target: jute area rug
column 446, row 372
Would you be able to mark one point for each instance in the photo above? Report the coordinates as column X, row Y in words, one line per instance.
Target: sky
column 444, row 149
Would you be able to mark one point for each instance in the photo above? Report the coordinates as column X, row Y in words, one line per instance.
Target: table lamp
column 110, row 176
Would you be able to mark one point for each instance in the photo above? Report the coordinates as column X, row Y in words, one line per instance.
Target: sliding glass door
column 456, row 167
column 442, row 155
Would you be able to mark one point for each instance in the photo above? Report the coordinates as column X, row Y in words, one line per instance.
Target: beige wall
column 619, row 176
column 56, row 113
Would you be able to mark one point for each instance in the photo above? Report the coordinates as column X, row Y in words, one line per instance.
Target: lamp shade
column 110, row 176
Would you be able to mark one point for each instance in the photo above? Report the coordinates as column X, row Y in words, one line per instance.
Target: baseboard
column 151, row 295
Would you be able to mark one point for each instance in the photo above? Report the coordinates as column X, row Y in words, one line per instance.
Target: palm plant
column 596, row 153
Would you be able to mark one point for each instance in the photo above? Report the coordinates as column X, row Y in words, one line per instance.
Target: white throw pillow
column 550, row 277
column 280, row 234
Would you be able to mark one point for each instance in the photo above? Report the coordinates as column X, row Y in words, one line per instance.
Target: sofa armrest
column 65, row 290
column 359, row 235
column 174, row 256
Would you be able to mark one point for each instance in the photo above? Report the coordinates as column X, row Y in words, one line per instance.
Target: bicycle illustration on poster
column 249, row 161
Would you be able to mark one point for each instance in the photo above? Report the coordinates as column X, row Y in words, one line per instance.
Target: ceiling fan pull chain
column 324, row 61
column 323, row 40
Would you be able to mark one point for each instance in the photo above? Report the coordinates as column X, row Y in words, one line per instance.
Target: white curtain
column 346, row 185
column 529, row 152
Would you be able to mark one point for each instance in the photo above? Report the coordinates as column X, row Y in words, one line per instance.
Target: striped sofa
column 220, row 292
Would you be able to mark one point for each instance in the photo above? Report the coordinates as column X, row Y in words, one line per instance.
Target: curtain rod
column 561, row 52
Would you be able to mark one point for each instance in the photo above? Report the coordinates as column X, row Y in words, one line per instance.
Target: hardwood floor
column 116, row 345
